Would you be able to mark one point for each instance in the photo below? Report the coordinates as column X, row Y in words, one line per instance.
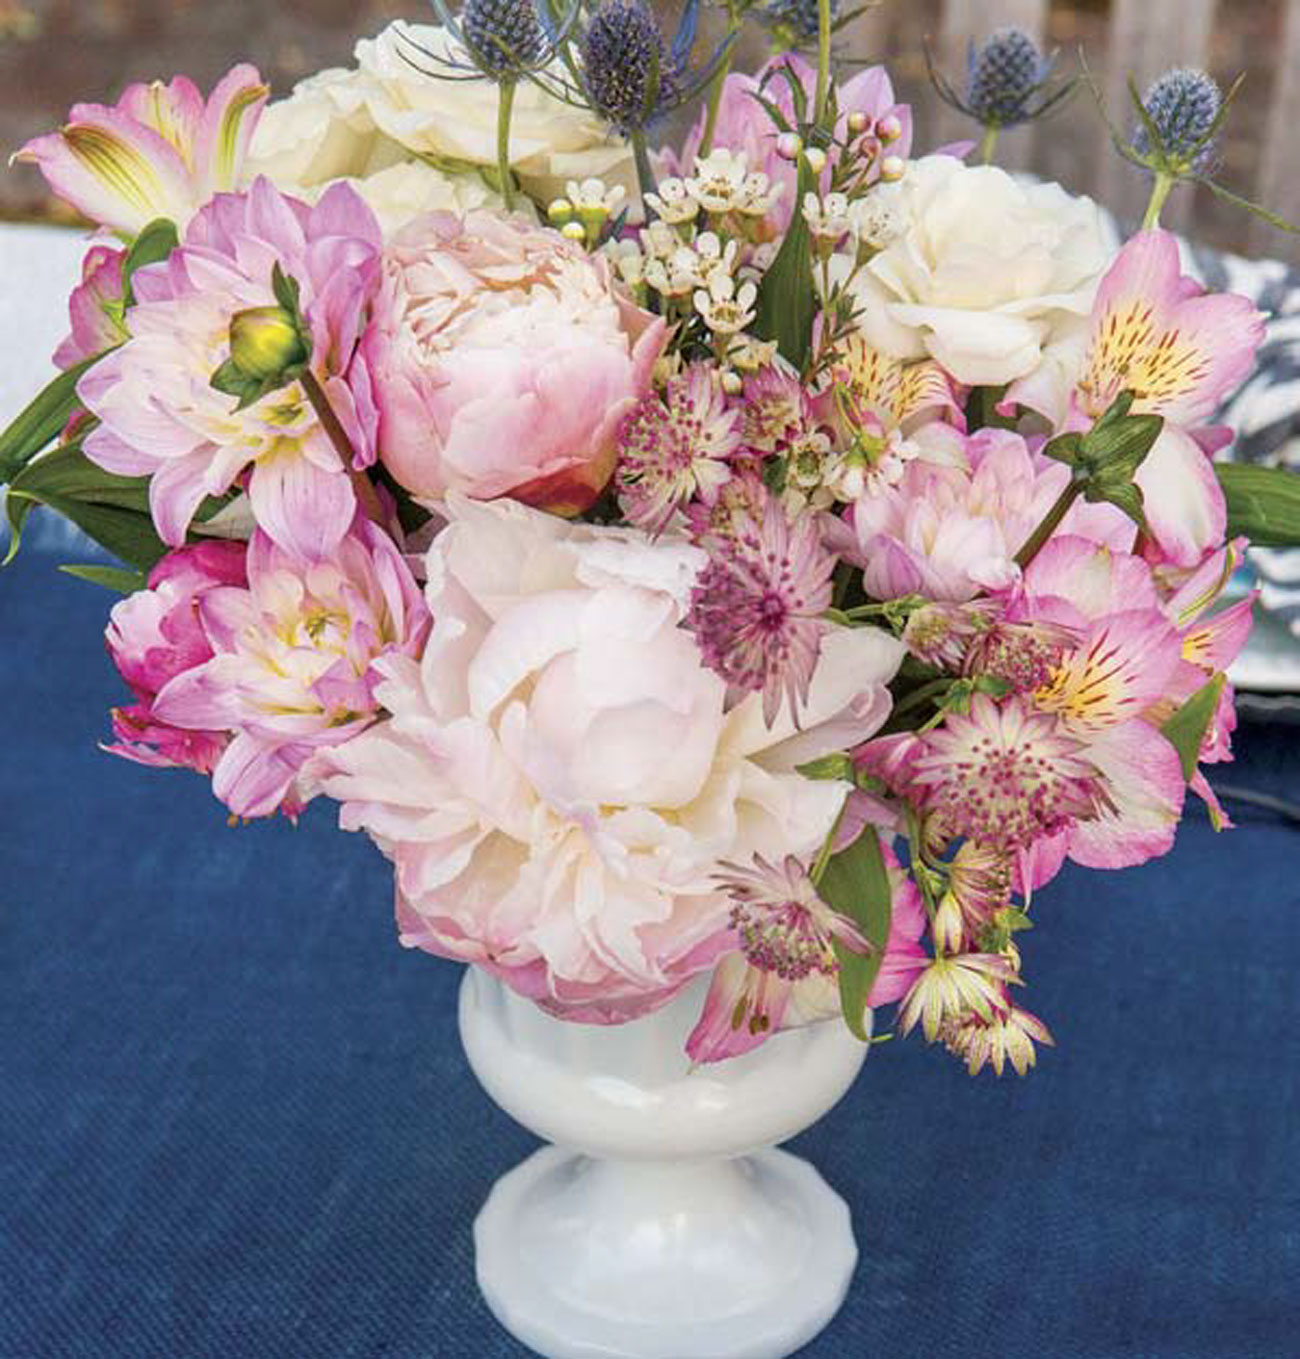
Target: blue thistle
column 1002, row 76
column 505, row 37
column 631, row 76
column 795, row 22
column 1182, row 106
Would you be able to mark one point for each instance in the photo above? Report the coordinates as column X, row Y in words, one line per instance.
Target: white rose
column 560, row 777
column 984, row 270
column 323, row 132
column 551, row 142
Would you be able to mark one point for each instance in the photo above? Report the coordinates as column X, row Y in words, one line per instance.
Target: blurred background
column 53, row 52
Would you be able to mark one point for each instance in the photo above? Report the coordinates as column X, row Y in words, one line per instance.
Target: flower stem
column 505, row 107
column 1051, row 522
column 988, row 143
column 1160, row 191
column 338, row 436
column 644, row 174
column 927, row 691
column 715, row 95
column 823, row 61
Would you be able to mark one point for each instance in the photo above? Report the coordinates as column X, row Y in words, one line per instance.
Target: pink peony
column 161, row 417
column 288, row 664
column 501, row 363
column 155, row 635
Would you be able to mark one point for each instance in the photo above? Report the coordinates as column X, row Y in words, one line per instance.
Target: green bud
column 264, row 341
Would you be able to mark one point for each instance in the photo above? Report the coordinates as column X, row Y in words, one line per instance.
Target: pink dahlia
column 155, row 635
column 161, row 417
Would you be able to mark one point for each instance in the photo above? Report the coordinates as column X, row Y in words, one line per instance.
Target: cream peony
column 324, row 132
column 982, row 272
column 551, row 142
column 560, row 778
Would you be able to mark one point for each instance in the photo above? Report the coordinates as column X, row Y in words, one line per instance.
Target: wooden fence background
column 55, row 51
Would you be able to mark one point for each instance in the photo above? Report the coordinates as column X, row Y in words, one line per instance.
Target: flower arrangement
column 768, row 557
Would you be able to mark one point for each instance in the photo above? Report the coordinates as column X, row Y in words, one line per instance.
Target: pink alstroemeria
column 161, row 417
column 96, row 308
column 1180, row 351
column 783, row 972
column 290, row 672
column 160, row 151
column 155, row 635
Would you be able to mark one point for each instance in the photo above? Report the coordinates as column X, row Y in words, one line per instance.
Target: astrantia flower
column 756, row 608
column 675, row 447
column 1005, row 775
column 1006, row 1037
column 952, row 987
column 160, row 415
column 160, row 151
column 291, row 655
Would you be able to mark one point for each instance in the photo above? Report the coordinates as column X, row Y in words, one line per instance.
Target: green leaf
column 1186, row 729
column 787, row 300
column 40, row 422
column 1256, row 209
column 1123, row 495
column 1263, row 503
column 110, row 577
column 154, row 244
column 1065, row 448
column 836, row 766
column 856, row 884
column 129, row 536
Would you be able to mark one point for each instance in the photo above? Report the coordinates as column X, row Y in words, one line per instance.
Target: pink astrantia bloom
column 290, row 672
column 1005, row 776
column 953, row 986
column 1180, row 351
column 155, row 635
column 1005, row 1037
column 160, row 415
column 501, row 362
column 160, row 151
column 783, row 970
column 675, row 447
column 96, row 308
column 744, row 125
column 757, row 607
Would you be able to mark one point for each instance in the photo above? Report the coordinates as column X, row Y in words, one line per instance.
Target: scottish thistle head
column 1177, row 121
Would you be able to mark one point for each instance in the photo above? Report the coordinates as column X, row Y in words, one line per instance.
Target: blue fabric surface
column 235, row 1119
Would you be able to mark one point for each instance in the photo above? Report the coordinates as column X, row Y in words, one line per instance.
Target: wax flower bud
column 559, row 212
column 858, row 122
column 816, row 159
column 889, row 128
column 892, row 169
column 788, row 145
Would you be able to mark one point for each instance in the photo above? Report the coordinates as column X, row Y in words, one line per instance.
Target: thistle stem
column 715, row 92
column 1160, row 191
column 1051, row 522
column 823, row 61
column 505, row 107
column 644, row 174
column 988, row 144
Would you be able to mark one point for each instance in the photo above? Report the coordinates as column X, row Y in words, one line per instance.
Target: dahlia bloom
column 161, row 417
column 1180, row 351
column 291, row 670
column 561, row 777
column 744, row 126
column 783, row 970
column 160, row 151
column 501, row 362
column 950, row 530
column 155, row 635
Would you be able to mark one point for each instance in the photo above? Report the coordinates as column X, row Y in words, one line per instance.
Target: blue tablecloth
column 235, row 1119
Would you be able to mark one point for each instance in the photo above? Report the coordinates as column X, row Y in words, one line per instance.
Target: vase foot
column 591, row 1259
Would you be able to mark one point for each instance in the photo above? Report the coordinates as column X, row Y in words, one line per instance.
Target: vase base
column 589, row 1259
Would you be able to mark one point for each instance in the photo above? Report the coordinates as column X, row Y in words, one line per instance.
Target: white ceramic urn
column 661, row 1223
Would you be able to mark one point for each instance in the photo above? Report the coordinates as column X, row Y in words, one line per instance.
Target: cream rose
column 551, row 141
column 561, row 778
column 982, row 270
column 324, row 132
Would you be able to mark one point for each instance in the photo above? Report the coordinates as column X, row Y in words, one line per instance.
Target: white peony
column 982, row 271
column 560, row 778
column 324, row 132
column 551, row 142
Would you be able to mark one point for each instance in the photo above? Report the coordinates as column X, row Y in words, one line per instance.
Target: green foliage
column 1263, row 503
column 855, row 882
column 39, row 423
column 153, row 245
column 110, row 577
column 1186, row 729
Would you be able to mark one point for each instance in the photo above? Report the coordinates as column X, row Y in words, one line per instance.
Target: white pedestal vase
column 662, row 1223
